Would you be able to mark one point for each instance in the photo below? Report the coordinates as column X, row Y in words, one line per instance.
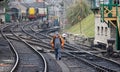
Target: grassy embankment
column 87, row 27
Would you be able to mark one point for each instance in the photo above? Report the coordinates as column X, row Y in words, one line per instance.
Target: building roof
column 35, row 4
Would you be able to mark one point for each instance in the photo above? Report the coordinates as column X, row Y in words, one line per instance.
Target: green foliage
column 4, row 4
column 1, row 3
column 1, row 0
column 87, row 26
column 77, row 12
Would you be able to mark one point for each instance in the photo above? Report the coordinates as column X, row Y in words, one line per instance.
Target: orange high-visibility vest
column 61, row 40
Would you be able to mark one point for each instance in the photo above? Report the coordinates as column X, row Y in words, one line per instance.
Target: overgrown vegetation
column 77, row 12
column 4, row 3
column 87, row 27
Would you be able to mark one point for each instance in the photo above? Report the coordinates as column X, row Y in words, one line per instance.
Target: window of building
column 101, row 30
column 106, row 29
column 98, row 29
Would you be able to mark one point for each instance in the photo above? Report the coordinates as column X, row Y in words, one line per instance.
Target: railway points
column 6, row 56
column 35, row 42
column 26, row 29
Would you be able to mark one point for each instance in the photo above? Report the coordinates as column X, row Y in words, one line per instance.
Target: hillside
column 87, row 27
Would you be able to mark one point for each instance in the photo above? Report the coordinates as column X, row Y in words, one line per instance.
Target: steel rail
column 40, row 40
column 13, row 49
column 45, row 62
column 98, row 67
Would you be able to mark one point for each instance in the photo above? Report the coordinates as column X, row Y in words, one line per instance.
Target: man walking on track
column 57, row 43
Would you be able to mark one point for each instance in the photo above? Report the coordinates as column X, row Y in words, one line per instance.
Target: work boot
column 59, row 58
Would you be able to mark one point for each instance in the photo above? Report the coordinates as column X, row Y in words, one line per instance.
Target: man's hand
column 52, row 46
column 62, row 46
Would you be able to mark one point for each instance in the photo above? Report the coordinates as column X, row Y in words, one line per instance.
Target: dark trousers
column 57, row 53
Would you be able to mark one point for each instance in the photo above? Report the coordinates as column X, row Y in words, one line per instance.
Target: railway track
column 97, row 67
column 100, row 64
column 75, row 65
column 29, row 59
column 16, row 58
column 52, row 65
column 73, row 62
column 41, row 38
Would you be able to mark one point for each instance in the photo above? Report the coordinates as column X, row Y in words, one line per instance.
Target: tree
column 1, row 3
column 4, row 3
column 77, row 12
column 1, row 0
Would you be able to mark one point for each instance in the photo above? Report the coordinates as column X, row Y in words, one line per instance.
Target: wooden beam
column 112, row 23
column 109, row 19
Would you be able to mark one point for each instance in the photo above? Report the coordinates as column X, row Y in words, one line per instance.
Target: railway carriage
column 31, row 12
column 37, row 11
column 42, row 12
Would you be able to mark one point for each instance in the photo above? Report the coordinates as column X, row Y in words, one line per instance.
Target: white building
column 102, row 31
